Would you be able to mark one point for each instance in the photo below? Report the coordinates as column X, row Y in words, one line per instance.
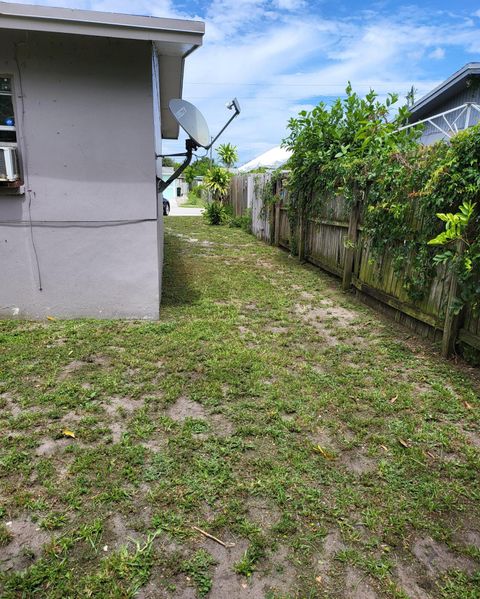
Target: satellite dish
column 191, row 120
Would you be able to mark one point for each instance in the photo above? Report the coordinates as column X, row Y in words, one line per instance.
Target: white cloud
column 437, row 54
column 291, row 5
column 477, row 13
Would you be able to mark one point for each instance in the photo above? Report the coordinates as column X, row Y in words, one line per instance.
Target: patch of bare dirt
column 50, row 447
column 321, row 436
column 357, row 585
column 275, row 573
column 119, row 533
column 267, row 265
column 421, row 388
column 316, row 318
column 277, row 330
column 155, row 444
column 472, row 437
column 244, row 330
column 103, row 361
column 77, row 365
column 126, row 404
column 307, row 296
column 8, row 402
column 411, row 581
column 25, row 547
column 58, row 342
column 437, row 558
column 186, row 408
column 469, row 537
column 154, row 590
column 262, row 513
column 332, row 544
column 221, row 426
column 70, row 368
column 327, row 314
column 358, row 462
column 117, row 429
column 70, row 418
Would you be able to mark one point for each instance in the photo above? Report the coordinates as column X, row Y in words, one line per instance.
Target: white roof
column 271, row 159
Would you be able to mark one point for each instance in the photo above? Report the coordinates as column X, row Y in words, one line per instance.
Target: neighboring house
column 450, row 107
column 84, row 100
column 269, row 160
column 178, row 189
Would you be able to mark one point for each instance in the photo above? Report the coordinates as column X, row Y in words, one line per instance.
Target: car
column 166, row 207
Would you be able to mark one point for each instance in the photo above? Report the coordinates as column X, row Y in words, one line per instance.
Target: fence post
column 351, row 241
column 301, row 232
column 452, row 320
column 276, row 228
column 271, row 221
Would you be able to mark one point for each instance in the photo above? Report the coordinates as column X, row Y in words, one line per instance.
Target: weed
column 198, row 567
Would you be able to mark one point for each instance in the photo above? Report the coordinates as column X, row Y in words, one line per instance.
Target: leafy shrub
column 243, row 222
column 215, row 213
column 217, row 181
column 195, row 196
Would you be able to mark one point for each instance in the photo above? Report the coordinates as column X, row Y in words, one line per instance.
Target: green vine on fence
column 354, row 148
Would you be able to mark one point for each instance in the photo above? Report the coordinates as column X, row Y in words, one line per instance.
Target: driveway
column 176, row 210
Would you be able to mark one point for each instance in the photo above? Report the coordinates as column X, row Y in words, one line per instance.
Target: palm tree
column 227, row 154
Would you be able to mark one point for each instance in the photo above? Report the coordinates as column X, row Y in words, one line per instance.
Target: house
column 83, row 110
column 269, row 160
column 177, row 191
column 450, row 107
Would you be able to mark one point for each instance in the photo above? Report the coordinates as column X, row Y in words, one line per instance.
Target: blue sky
column 281, row 56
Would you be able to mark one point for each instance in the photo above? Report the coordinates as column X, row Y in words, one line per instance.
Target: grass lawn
column 336, row 452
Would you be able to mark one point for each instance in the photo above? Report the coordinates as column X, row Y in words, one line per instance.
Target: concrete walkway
column 176, row 210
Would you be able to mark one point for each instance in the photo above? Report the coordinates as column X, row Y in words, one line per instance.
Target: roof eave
column 446, row 89
column 171, row 87
column 87, row 22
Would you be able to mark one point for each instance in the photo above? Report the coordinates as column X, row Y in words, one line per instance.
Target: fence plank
column 352, row 237
column 452, row 320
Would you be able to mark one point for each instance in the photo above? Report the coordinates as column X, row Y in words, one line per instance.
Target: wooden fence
column 335, row 242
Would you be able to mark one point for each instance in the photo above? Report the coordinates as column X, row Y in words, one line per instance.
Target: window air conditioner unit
column 8, row 165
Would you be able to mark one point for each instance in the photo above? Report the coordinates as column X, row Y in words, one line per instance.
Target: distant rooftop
column 454, row 85
column 270, row 160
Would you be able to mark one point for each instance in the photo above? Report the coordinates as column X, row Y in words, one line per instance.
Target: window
column 8, row 132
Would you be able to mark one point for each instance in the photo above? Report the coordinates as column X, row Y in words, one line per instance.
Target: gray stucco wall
column 87, row 149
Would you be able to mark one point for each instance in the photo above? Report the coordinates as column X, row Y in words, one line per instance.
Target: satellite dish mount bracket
column 190, row 146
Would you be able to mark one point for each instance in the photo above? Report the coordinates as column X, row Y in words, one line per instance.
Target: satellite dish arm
column 236, row 106
column 191, row 146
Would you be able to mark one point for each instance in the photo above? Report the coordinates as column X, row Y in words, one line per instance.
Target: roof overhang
column 173, row 39
column 454, row 85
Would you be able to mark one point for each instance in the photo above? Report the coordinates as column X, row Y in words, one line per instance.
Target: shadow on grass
column 177, row 289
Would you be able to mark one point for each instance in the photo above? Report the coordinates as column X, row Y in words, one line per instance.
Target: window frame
column 14, row 127
column 17, row 187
